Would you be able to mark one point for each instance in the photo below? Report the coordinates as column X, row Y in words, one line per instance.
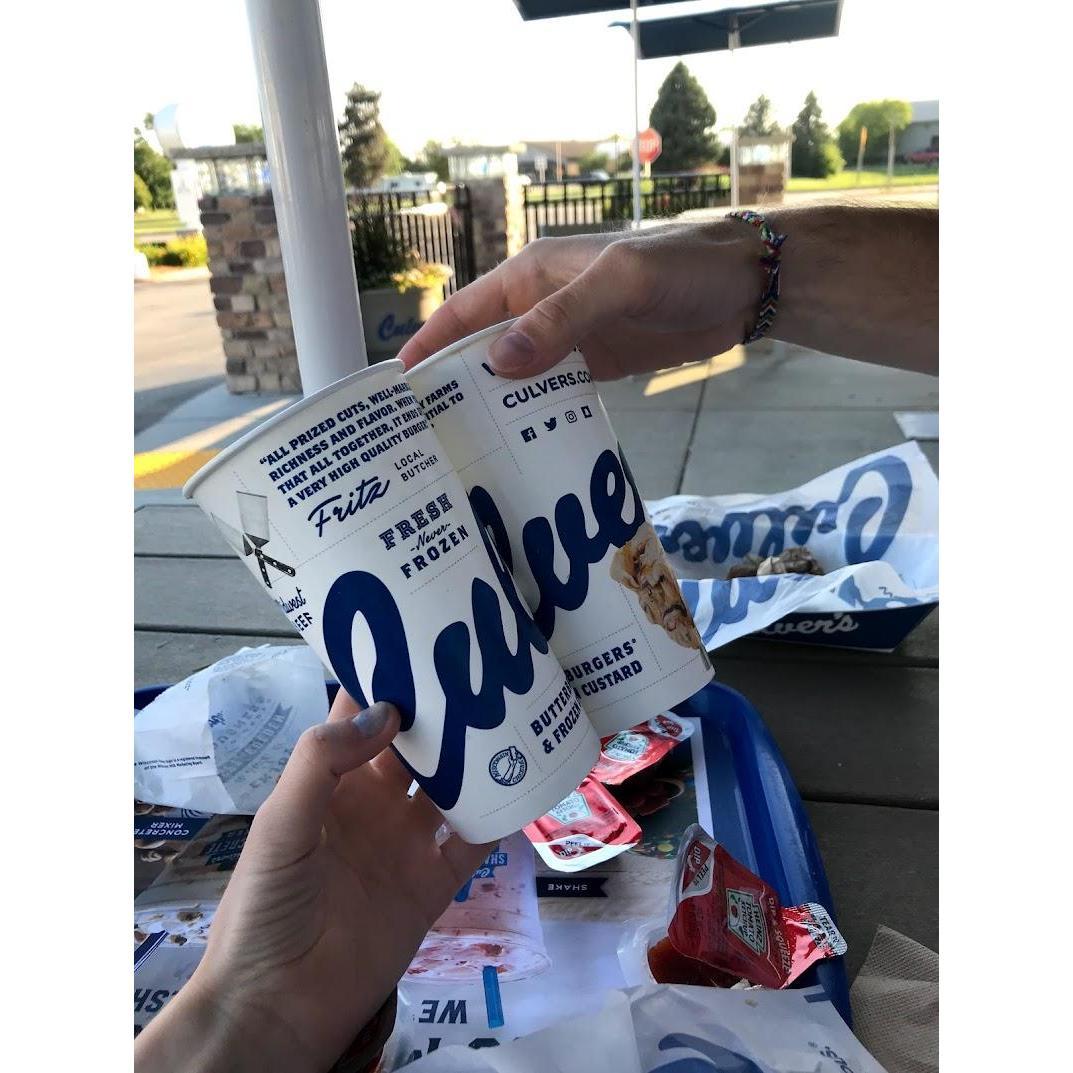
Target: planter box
column 390, row 318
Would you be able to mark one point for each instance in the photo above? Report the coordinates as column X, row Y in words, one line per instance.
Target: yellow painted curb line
column 167, row 469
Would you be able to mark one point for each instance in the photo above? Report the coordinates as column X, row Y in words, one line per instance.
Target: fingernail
column 512, row 353
column 370, row 722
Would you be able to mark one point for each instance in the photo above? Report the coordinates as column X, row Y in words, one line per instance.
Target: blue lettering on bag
column 734, row 536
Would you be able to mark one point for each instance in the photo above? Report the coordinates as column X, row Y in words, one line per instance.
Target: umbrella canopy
column 552, row 9
column 740, row 27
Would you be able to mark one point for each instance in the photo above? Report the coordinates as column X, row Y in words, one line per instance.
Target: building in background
column 540, row 161
column 922, row 134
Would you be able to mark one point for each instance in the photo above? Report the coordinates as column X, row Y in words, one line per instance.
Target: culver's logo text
column 869, row 529
column 614, row 511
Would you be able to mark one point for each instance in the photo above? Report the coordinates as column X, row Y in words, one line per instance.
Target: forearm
column 861, row 282
column 196, row 1034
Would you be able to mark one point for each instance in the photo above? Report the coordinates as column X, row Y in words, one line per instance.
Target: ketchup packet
column 630, row 751
column 732, row 920
column 587, row 827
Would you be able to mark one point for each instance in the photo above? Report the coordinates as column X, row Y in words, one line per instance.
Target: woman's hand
column 633, row 302
column 340, row 879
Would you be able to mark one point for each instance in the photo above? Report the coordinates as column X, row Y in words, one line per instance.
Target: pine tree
column 684, row 117
column 814, row 152
column 758, row 119
column 362, row 141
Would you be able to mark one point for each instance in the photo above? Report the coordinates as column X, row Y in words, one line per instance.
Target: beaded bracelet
column 772, row 261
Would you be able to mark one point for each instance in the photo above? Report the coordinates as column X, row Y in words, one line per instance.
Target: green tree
column 248, row 132
column 143, row 197
column 884, row 120
column 147, row 122
column 758, row 120
column 363, row 142
column 434, row 158
column 155, row 172
column 814, row 152
column 684, row 117
column 593, row 162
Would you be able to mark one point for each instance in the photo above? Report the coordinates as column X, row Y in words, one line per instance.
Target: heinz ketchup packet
column 731, row 919
column 630, row 751
column 586, row 828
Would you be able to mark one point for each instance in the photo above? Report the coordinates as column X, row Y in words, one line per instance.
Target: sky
column 473, row 71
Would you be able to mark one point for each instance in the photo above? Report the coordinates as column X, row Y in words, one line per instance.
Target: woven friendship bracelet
column 772, row 261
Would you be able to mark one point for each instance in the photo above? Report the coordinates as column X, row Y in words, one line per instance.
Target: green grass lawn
column 904, row 175
column 156, row 220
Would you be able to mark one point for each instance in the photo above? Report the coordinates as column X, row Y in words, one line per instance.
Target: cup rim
column 462, row 344
column 393, row 365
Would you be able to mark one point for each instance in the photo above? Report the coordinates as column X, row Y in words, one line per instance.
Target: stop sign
column 649, row 145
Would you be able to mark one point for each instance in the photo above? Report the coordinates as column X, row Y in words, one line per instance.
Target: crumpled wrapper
column 671, row 1027
column 182, row 901
column 872, row 525
column 218, row 741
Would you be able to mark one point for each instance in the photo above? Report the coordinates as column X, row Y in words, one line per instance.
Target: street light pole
column 636, row 33
column 307, row 188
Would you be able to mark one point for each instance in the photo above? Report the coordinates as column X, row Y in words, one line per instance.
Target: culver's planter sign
column 872, row 525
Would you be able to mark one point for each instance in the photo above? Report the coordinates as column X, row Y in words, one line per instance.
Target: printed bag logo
column 251, row 540
column 746, row 920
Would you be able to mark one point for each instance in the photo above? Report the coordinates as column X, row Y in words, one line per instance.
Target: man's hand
column 633, row 303
column 858, row 281
column 339, row 881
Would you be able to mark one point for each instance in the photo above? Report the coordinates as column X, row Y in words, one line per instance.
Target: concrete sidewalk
column 757, row 419
column 168, row 453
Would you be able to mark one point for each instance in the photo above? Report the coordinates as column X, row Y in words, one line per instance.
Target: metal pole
column 307, row 188
column 635, row 31
column 734, row 168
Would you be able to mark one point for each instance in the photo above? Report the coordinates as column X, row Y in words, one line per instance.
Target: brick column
column 498, row 216
column 250, row 293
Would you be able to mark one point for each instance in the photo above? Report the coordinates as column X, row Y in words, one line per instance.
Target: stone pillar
column 250, row 293
column 498, row 216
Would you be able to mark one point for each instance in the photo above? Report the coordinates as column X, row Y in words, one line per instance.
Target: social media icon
column 550, row 424
column 528, row 434
column 571, row 416
column 586, row 411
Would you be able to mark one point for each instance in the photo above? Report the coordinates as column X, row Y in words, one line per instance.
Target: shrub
column 381, row 259
column 143, row 196
column 188, row 252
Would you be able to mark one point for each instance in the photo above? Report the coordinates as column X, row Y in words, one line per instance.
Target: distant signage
column 649, row 145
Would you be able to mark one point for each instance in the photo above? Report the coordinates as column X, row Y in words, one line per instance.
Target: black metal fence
column 438, row 225
column 607, row 204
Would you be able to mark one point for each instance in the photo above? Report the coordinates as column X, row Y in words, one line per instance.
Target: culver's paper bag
column 218, row 740
column 872, row 524
column 664, row 1028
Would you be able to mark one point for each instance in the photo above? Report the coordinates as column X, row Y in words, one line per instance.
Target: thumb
column 294, row 811
column 553, row 327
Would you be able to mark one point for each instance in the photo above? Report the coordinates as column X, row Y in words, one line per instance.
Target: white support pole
column 636, row 34
column 307, row 188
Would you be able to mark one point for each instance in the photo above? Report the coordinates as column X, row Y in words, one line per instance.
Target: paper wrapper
column 871, row 524
column 669, row 1027
column 218, row 741
column 182, row 901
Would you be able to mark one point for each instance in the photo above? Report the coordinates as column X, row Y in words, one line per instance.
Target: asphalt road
column 177, row 349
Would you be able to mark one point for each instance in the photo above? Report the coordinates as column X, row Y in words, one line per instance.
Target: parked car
column 923, row 156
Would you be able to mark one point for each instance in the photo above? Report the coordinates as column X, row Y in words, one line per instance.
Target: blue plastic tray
column 758, row 815
column 756, row 811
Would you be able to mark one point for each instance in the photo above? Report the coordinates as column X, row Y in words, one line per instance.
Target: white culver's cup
column 547, row 480
column 348, row 512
